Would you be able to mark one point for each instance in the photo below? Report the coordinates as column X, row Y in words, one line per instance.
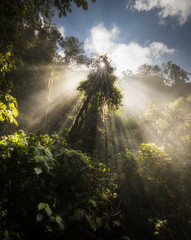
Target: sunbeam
column 95, row 120
column 60, row 94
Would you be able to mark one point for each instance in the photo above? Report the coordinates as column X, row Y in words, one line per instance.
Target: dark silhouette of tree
column 177, row 78
column 160, row 83
column 73, row 51
column 100, row 96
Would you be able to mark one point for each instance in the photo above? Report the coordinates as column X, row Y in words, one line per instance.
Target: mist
column 88, row 152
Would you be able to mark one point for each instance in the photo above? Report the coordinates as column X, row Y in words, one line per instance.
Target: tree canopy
column 99, row 92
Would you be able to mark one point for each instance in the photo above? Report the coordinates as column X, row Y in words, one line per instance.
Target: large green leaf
column 48, row 210
column 41, row 206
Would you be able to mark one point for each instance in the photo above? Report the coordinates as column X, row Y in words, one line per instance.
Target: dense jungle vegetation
column 80, row 165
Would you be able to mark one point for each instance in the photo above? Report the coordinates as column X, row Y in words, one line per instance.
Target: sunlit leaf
column 15, row 122
column 38, row 170
column 48, row 210
column 41, row 206
column 11, row 105
column 15, row 112
column 2, row 118
column 2, row 105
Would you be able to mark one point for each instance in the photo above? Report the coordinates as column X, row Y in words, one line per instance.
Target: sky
column 133, row 32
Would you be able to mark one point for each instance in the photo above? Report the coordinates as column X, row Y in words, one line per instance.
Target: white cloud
column 101, row 40
column 181, row 9
column 158, row 48
column 62, row 31
column 123, row 56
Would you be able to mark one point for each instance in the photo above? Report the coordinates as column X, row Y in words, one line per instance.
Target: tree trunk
column 75, row 126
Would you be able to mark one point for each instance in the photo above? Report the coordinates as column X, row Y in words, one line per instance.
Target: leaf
column 91, row 223
column 99, row 221
column 93, row 202
column 48, row 228
column 6, row 234
column 20, row 144
column 93, row 226
column 60, row 222
column 46, row 166
column 41, row 206
column 58, row 219
column 38, row 158
column 48, row 154
column 38, row 170
column 15, row 112
column 2, row 118
column 15, row 122
column 8, row 142
column 39, row 217
column 116, row 223
column 79, row 214
column 11, row 105
column 48, row 210
column 2, row 105
column 114, row 195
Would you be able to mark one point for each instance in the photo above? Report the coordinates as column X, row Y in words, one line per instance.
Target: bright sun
column 102, row 64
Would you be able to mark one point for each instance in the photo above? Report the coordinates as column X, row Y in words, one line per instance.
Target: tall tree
column 73, row 51
column 100, row 95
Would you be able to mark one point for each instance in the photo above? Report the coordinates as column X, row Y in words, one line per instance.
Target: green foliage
column 7, row 64
column 65, row 6
column 154, row 189
column 29, row 61
column 48, row 188
column 8, row 109
column 8, row 104
column 153, row 162
column 171, row 121
column 51, row 191
column 7, row 61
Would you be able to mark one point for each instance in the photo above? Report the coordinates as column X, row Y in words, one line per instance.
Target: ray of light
column 62, row 92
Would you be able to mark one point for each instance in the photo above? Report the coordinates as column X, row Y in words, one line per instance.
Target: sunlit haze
column 95, row 120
